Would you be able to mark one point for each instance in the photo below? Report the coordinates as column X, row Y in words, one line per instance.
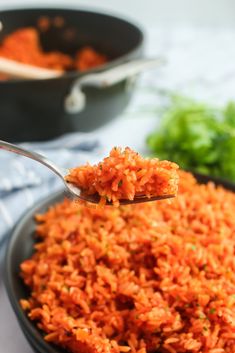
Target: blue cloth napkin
column 23, row 182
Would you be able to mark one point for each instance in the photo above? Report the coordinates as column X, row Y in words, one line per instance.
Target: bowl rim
column 32, row 333
column 76, row 74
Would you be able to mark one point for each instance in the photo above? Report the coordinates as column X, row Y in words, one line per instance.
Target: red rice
column 124, row 174
column 155, row 277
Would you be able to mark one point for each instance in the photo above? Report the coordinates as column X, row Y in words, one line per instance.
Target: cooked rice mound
column 154, row 277
column 124, row 174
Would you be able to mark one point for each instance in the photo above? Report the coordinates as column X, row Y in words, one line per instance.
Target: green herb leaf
column 212, row 311
column 197, row 137
column 120, row 183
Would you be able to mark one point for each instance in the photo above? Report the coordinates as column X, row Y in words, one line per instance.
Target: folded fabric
column 23, row 182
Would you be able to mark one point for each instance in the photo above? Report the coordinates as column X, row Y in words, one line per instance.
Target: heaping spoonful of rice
column 125, row 177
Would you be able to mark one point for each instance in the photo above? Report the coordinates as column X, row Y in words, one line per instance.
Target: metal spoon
column 74, row 191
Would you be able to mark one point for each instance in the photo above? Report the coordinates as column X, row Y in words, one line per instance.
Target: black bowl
column 20, row 247
column 34, row 109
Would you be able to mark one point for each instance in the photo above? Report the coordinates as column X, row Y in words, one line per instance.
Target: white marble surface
column 200, row 63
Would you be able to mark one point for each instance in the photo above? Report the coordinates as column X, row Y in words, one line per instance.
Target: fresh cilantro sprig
column 198, row 137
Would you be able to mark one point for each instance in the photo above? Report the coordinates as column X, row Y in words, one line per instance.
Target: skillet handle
column 75, row 101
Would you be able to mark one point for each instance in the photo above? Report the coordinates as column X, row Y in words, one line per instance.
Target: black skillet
column 35, row 109
column 20, row 247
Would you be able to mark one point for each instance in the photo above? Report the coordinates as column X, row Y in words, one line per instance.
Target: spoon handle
column 32, row 155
